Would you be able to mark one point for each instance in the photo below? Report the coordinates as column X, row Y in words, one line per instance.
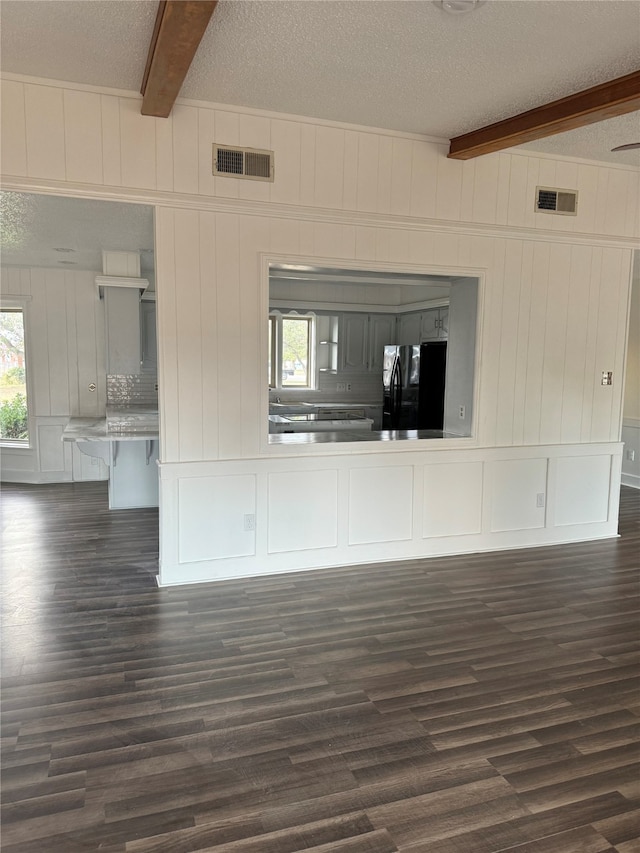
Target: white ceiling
column 401, row 65
column 33, row 228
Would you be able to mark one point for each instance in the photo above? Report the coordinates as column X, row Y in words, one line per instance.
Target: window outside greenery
column 290, row 348
column 13, row 379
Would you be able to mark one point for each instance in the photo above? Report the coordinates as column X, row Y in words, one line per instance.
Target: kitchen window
column 14, row 422
column 291, row 347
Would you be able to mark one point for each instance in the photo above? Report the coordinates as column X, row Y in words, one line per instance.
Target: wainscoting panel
column 50, row 447
column 303, row 510
column 582, row 490
column 380, row 504
column 516, row 483
column 452, row 499
column 211, row 517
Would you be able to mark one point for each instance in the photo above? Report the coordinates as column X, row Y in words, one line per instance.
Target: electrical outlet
column 94, row 460
column 607, row 377
column 348, row 386
column 631, row 455
column 540, row 500
column 340, row 386
column 461, row 412
column 250, row 521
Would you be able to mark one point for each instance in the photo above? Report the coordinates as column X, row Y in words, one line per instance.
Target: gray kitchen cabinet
column 362, row 341
column 382, row 331
column 409, row 328
column 354, row 343
column 435, row 324
column 148, row 338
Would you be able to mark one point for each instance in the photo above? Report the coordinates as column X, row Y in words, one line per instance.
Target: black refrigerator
column 413, row 378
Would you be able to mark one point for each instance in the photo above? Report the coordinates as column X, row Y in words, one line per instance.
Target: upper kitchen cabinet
column 382, row 331
column 148, row 341
column 435, row 324
column 354, row 343
column 362, row 340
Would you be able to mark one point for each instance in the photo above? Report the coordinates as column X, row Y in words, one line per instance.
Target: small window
column 14, row 423
column 290, row 351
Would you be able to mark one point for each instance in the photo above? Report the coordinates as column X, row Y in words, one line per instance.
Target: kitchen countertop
column 356, row 435
column 95, row 429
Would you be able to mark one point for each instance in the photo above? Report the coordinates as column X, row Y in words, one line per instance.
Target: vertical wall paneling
column 632, row 214
column 623, row 352
column 449, row 189
column 307, row 165
column 367, row 192
column 555, row 343
column 167, row 290
column 209, row 336
column 165, row 154
column 531, row 219
column 56, row 313
column 365, row 243
column 536, row 343
column 508, row 337
column 385, row 165
column 600, row 223
column 517, row 191
column 111, row 141
column 401, row 165
column 206, row 138
column 424, row 179
column 285, row 141
column 73, row 374
column 350, row 170
column 590, row 375
column 254, row 236
column 576, row 343
column 229, row 321
column 83, row 137
column 485, row 189
column 466, row 195
column 13, row 138
column 138, row 145
column 503, row 188
column 40, row 345
column 185, row 148
column 44, row 114
column 188, row 331
column 329, row 167
column 491, row 350
column 605, row 421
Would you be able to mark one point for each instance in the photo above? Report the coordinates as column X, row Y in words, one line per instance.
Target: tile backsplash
column 132, row 390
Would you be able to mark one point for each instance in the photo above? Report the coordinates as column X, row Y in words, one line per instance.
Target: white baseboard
column 631, row 480
column 36, row 477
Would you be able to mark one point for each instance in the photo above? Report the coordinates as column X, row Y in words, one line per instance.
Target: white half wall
column 372, row 506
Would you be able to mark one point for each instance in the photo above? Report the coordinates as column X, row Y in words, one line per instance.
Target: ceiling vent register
column 251, row 163
column 549, row 200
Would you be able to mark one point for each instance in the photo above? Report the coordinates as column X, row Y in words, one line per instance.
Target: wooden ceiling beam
column 179, row 27
column 607, row 100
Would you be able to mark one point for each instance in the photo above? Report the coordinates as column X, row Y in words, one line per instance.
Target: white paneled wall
column 552, row 316
column 65, row 356
column 77, row 135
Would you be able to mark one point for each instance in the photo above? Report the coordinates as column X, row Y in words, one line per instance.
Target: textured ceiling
column 32, row 227
column 401, row 65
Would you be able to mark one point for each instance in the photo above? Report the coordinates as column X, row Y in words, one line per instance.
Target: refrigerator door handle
column 396, row 391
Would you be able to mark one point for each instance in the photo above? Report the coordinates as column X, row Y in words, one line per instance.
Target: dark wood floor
column 458, row 705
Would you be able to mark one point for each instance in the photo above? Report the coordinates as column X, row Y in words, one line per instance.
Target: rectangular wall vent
column 251, row 163
column 549, row 200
